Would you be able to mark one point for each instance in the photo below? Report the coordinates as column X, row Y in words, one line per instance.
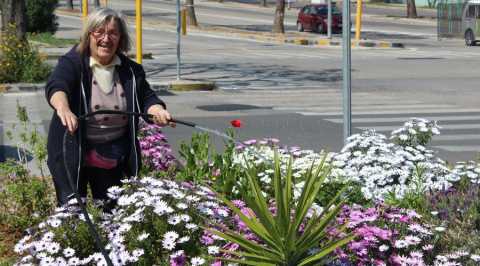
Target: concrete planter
column 21, row 87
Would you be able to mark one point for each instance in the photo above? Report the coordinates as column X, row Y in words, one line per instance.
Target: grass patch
column 49, row 39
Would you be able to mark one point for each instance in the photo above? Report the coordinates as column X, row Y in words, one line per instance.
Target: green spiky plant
column 283, row 241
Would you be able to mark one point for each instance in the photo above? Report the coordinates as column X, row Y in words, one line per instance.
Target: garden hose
column 91, row 227
column 83, row 208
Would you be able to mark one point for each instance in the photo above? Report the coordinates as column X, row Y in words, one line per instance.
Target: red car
column 314, row 18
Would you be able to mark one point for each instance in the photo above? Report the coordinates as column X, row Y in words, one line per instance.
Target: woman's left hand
column 161, row 116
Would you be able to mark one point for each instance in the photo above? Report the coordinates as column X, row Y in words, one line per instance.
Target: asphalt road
column 253, row 17
column 294, row 92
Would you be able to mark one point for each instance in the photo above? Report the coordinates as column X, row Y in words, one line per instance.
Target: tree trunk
column 411, row 9
column 97, row 3
column 14, row 12
column 279, row 16
column 263, row 3
column 191, row 18
column 70, row 4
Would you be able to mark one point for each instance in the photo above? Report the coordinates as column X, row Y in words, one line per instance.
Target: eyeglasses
column 101, row 33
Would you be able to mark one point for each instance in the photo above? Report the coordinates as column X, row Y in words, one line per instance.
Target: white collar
column 115, row 62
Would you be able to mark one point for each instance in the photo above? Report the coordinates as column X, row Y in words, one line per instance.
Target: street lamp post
column 346, row 67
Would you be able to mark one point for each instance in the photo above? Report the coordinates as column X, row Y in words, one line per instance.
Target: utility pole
column 347, row 71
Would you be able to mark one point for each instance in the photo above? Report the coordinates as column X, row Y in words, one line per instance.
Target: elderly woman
column 96, row 75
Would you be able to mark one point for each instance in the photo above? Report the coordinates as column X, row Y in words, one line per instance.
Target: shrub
column 156, row 221
column 290, row 232
column 204, row 165
column 459, row 210
column 394, row 236
column 389, row 170
column 41, row 15
column 20, row 62
column 156, row 152
column 25, row 200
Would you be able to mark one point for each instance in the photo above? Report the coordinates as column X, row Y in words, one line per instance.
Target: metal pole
column 184, row 21
column 138, row 19
column 346, row 64
column 358, row 22
column 329, row 19
column 179, row 22
column 85, row 10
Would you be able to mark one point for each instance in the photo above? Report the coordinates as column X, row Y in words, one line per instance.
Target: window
column 471, row 12
column 307, row 10
column 324, row 10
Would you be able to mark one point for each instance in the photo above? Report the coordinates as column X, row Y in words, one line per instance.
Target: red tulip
column 236, row 123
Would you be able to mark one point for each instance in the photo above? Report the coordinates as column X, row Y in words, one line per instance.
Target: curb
column 182, row 85
column 280, row 38
column 328, row 42
column 191, row 85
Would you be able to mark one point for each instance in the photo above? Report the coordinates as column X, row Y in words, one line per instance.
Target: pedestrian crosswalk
column 459, row 126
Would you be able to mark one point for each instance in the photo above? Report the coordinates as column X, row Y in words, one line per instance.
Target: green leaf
column 326, row 250
column 258, row 204
column 244, row 243
column 253, row 224
column 282, row 217
column 253, row 256
column 246, row 262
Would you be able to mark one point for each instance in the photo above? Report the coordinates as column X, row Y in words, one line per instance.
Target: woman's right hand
column 68, row 119
column 59, row 101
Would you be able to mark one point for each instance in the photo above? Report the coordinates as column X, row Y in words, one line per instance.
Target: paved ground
column 294, row 92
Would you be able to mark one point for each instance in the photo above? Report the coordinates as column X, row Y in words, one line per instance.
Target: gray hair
column 99, row 18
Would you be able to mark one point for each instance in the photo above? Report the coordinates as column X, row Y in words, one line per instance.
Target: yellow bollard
column 183, row 14
column 358, row 23
column 84, row 10
column 138, row 20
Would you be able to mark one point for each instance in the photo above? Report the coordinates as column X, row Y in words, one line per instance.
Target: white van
column 471, row 22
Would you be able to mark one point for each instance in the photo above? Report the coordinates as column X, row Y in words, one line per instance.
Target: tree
column 41, row 15
column 191, row 18
column 70, row 4
column 279, row 17
column 411, row 9
column 14, row 12
column 263, row 3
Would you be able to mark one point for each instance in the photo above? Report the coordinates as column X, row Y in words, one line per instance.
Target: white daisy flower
column 143, row 236
column 68, row 252
column 383, row 248
column 183, row 239
column 213, row 250
column 171, row 235
column 174, row 220
column 197, row 261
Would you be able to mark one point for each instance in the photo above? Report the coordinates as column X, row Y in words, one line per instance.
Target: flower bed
column 379, row 201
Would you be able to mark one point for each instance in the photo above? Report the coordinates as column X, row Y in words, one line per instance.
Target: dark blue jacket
column 71, row 72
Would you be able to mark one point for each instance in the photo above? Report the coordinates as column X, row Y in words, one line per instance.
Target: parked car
column 471, row 22
column 314, row 18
